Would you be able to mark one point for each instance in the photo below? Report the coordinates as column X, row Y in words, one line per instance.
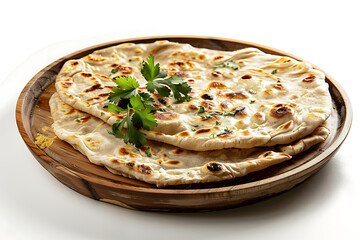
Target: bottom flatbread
column 167, row 165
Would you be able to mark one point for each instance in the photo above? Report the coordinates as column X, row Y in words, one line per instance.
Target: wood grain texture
column 75, row 171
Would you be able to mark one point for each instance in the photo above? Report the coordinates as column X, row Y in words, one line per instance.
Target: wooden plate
column 75, row 171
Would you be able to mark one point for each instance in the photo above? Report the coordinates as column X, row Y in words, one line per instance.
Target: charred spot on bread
column 207, row 96
column 203, row 130
column 184, row 134
column 86, row 74
column 267, row 154
column 192, row 107
column 85, row 119
column 309, row 79
column 178, row 151
column 144, row 169
column 214, row 167
column 124, row 70
column 247, row 76
column 130, row 164
column 66, row 84
column 217, row 85
column 216, row 74
column 218, row 58
column 173, row 162
column 165, row 116
column 207, row 104
column 278, row 86
column 71, row 111
column 280, row 110
column 103, row 95
column 93, row 88
column 127, row 152
column 237, row 95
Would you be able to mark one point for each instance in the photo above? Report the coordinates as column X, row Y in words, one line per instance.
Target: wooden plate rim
column 264, row 183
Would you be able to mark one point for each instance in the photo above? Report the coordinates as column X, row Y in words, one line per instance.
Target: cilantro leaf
column 136, row 103
column 117, row 128
column 173, row 84
column 144, row 119
column 179, row 88
column 164, row 86
column 133, row 135
column 127, row 87
column 146, row 98
column 115, row 109
column 162, row 89
column 127, row 83
column 150, row 71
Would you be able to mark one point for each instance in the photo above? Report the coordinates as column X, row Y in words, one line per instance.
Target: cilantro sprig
column 138, row 106
column 139, row 118
column 164, row 86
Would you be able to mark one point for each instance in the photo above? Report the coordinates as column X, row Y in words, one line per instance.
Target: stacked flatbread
column 258, row 110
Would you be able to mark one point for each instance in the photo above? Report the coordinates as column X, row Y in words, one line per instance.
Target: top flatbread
column 279, row 106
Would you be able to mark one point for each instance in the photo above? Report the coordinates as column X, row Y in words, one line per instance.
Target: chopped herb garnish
column 216, row 113
column 102, row 113
column 233, row 113
column 229, row 64
column 252, row 91
column 226, row 130
column 252, row 101
column 204, row 117
column 217, row 123
column 114, row 70
column 148, row 152
column 274, row 71
column 201, row 109
column 212, row 135
column 78, row 120
column 193, row 129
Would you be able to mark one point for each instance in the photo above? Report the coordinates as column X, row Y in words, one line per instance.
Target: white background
column 34, row 205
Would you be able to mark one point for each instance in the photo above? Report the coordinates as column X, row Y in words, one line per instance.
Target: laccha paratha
column 281, row 99
column 167, row 165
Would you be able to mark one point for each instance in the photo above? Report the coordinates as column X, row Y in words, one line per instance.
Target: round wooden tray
column 75, row 171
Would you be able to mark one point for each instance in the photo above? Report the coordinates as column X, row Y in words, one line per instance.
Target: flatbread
column 281, row 99
column 167, row 165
